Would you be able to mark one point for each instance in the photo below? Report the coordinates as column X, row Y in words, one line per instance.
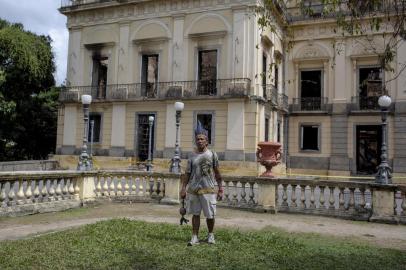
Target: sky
column 41, row 17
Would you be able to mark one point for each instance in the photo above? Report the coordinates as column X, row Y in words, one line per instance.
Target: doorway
column 143, row 136
column 368, row 152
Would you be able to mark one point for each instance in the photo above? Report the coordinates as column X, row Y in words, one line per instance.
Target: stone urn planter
column 269, row 155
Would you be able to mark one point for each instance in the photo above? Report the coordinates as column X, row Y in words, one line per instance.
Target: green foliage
column 28, row 107
column 125, row 244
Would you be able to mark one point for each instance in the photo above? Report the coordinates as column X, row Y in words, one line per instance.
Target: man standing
column 201, row 173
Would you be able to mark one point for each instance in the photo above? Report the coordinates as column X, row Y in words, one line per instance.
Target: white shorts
column 205, row 202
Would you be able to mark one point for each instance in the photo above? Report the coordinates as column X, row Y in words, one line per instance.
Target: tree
column 354, row 18
column 28, row 98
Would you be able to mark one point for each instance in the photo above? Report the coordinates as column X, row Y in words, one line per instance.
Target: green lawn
column 125, row 244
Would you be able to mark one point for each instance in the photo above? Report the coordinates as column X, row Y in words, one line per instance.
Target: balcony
column 73, row 3
column 232, row 88
column 364, row 103
column 283, row 102
column 310, row 104
column 270, row 93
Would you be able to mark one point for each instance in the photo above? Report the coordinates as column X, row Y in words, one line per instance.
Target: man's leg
column 210, row 224
column 195, row 224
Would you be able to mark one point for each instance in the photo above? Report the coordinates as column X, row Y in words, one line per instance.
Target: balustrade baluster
column 147, row 192
column 58, row 189
column 162, row 187
column 403, row 205
column 105, row 188
column 140, row 187
column 227, row 193
column 28, row 191
column 11, row 194
column 133, row 186
column 3, row 196
column 36, row 192
column 152, row 186
column 331, row 200
column 351, row 202
column 362, row 198
column 44, row 191
column 126, row 185
column 284, row 195
column 77, row 189
column 20, row 193
column 243, row 193
column 322, row 199
column 293, row 197
column 112, row 187
column 341, row 200
column 158, row 186
column 71, row 189
column 235, row 194
column 312, row 199
column 303, row 196
column 251, row 193
column 98, row 186
column 65, row 188
column 119, row 187
column 51, row 191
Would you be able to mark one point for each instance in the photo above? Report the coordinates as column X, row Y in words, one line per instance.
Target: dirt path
column 391, row 236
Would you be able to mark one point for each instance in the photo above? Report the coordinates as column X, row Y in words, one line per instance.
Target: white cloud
column 41, row 17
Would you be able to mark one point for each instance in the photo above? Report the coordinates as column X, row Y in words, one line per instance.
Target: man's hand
column 220, row 194
column 183, row 193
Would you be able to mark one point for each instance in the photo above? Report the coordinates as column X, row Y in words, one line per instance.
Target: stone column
column 117, row 147
column 235, row 131
column 172, row 189
column 75, row 70
column 170, row 131
column 69, row 129
column 86, row 188
column 383, row 204
column 179, row 52
column 122, row 55
column 339, row 160
column 267, row 196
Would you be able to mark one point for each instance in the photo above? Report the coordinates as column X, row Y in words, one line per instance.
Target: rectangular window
column 310, row 137
column 310, row 89
column 207, row 122
column 207, row 72
column 99, row 76
column 264, row 75
column 149, row 76
column 276, row 76
column 94, row 128
column 278, row 132
column 266, row 129
column 370, row 87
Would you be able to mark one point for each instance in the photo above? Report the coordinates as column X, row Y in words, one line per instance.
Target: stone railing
column 236, row 87
column 343, row 199
column 23, row 193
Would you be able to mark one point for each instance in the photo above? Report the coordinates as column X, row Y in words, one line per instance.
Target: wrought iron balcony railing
column 310, row 104
column 363, row 103
column 73, row 3
column 238, row 87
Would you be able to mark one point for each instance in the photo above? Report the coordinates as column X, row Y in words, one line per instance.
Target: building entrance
column 368, row 154
column 143, row 137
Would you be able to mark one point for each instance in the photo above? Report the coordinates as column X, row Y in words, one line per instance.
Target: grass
column 125, row 244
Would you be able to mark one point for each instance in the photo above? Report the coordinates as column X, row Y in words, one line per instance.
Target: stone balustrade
column 23, row 193
column 343, row 199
